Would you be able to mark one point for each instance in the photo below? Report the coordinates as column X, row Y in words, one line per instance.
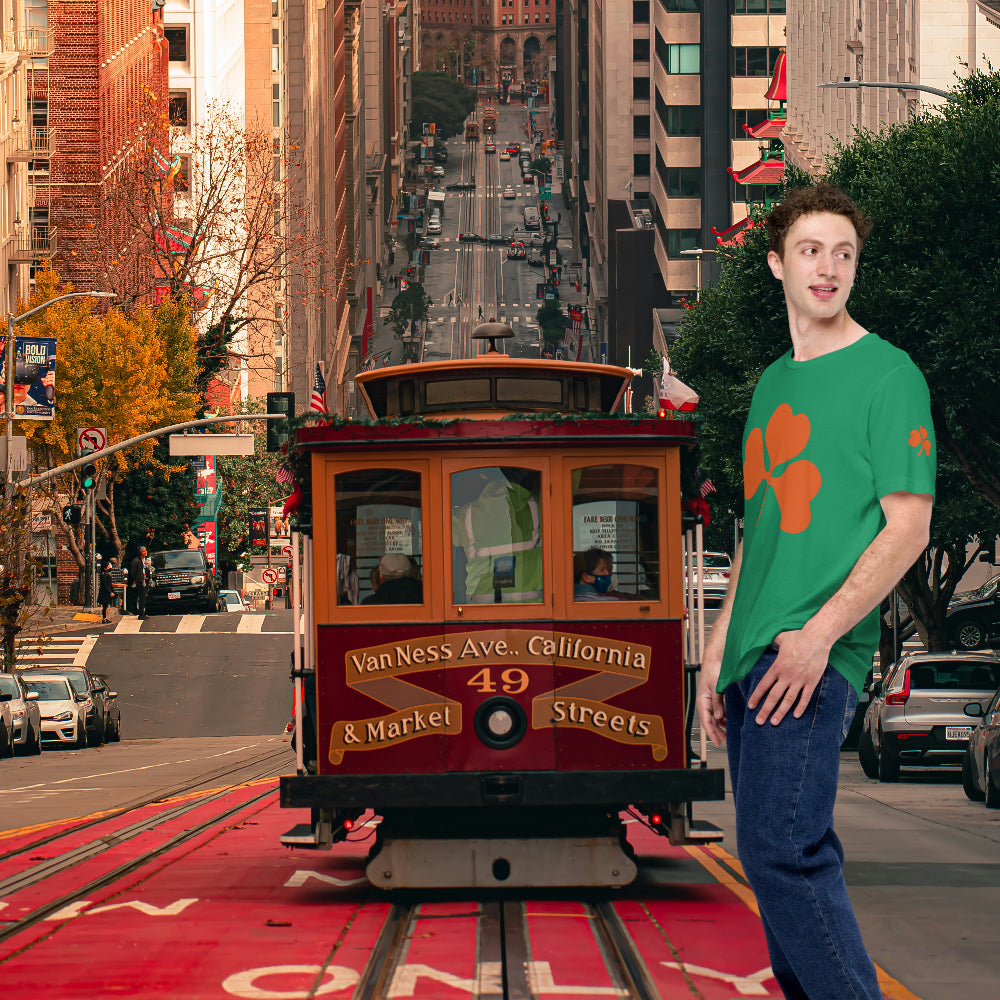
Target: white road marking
column 748, row 986
column 250, row 623
column 191, row 623
column 89, row 641
column 127, row 625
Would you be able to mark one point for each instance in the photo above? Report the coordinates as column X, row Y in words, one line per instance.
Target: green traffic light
column 89, row 476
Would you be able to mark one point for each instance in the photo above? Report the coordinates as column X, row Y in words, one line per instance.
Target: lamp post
column 848, row 84
column 697, row 252
column 12, row 321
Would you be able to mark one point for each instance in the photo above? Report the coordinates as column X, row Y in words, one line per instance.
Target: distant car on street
column 508, row 192
column 528, row 178
column 429, row 243
column 489, row 147
column 504, row 155
column 468, row 237
column 230, row 600
column 6, row 731
column 438, row 171
column 981, row 764
column 536, row 258
column 514, row 147
column 517, row 251
column 63, row 716
column 26, row 719
column 496, row 238
column 86, row 688
column 917, row 714
column 973, row 619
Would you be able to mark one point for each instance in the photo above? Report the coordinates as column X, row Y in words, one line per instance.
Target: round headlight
column 500, row 723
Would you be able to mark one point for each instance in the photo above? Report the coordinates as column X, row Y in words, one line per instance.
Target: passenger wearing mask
column 594, row 583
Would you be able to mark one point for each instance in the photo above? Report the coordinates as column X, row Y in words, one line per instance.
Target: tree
column 126, row 373
column 921, row 285
column 552, row 322
column 208, row 217
column 440, row 98
column 414, row 303
column 17, row 574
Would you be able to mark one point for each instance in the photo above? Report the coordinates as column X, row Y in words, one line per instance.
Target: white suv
column 718, row 568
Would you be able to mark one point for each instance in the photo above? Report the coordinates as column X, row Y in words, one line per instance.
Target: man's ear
column 774, row 262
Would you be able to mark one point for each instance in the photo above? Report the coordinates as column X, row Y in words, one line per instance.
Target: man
column 595, row 580
column 838, row 465
column 139, row 579
column 396, row 582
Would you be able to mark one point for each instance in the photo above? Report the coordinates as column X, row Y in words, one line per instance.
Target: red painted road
column 232, row 914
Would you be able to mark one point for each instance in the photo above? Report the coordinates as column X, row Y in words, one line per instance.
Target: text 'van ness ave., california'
column 499, row 646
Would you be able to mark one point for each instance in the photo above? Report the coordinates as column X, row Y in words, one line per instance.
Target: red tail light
column 900, row 697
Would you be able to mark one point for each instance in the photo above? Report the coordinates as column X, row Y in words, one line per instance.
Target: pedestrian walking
column 139, row 576
column 480, row 312
column 105, row 592
column 838, row 467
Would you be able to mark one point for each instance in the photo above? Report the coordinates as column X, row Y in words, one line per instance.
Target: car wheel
column 867, row 757
column 36, row 746
column 96, row 738
column 972, row 791
column 970, row 635
column 81, row 736
column 116, row 733
column 888, row 761
column 992, row 792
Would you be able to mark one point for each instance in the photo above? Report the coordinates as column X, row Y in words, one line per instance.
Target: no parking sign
column 270, row 575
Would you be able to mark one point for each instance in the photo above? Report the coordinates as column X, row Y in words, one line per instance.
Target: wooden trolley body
column 499, row 721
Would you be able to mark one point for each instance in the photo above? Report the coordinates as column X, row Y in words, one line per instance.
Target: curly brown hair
column 807, row 200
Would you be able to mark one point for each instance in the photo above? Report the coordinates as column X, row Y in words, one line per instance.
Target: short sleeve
column 901, row 439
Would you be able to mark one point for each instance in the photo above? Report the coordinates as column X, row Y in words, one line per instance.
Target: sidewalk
column 67, row 618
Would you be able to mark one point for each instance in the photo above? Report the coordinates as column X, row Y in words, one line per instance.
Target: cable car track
column 504, row 951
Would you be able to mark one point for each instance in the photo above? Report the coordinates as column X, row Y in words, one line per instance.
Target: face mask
column 602, row 583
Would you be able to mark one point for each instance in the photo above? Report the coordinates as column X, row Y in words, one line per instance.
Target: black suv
column 182, row 580
column 973, row 620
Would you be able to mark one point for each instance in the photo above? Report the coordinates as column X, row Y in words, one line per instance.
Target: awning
column 761, row 172
column 770, row 128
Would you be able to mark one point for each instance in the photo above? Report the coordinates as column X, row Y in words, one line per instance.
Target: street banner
column 258, row 530
column 206, row 533
column 34, row 377
column 206, row 479
column 280, row 530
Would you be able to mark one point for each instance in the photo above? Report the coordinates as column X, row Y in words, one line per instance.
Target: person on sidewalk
column 838, row 467
column 139, row 579
column 105, row 593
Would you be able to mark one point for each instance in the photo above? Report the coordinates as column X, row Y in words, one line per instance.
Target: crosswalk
column 231, row 624
column 70, row 650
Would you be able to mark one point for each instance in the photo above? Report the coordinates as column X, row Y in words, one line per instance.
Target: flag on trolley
column 284, row 475
column 707, row 487
column 317, row 404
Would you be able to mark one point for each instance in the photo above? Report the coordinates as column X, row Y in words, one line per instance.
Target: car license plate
column 175, row 595
column 957, row 732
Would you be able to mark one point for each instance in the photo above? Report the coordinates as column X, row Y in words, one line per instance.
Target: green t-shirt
column 824, row 440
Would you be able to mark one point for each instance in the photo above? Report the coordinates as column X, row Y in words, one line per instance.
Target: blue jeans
column 784, row 781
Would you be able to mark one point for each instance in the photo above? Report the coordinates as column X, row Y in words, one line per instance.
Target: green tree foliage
column 924, row 283
column 552, row 322
column 440, row 98
column 414, row 303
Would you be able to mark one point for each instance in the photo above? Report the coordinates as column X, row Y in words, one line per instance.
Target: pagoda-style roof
column 778, row 91
column 762, row 172
column 735, row 234
column 770, row 128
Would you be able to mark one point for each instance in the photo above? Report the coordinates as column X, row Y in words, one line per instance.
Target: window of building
column 684, row 182
column 758, row 6
column 275, row 9
column 547, row 15
column 277, row 159
column 682, row 6
column 683, row 58
column 178, row 108
column 682, row 239
column 640, row 12
column 640, row 88
column 536, row 19
column 755, row 60
column 747, row 116
column 640, row 50
column 36, row 16
column 640, row 126
column 177, row 43
column 681, row 119
column 276, row 105
column 276, row 50
column 640, row 164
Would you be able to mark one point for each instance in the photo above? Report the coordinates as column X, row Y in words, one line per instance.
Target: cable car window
column 454, row 391
column 535, row 390
column 379, row 537
column 496, row 531
column 616, row 547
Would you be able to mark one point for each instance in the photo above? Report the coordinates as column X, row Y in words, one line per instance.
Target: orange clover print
column 794, row 489
column 919, row 440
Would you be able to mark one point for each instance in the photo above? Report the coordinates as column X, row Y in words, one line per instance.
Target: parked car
column 536, row 258
column 468, row 237
column 981, row 763
column 63, row 715
column 26, row 719
column 504, row 154
column 230, row 600
column 84, row 686
column 917, row 714
column 508, row 192
column 182, row 581
column 429, row 243
column 112, row 711
column 973, row 620
column 718, row 568
column 6, row 731
column 438, row 171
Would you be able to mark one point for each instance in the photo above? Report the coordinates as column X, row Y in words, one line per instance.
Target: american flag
column 284, row 475
column 368, row 364
column 706, row 487
column 318, row 402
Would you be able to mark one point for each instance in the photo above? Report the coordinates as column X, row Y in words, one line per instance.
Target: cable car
column 490, row 120
column 472, row 131
column 492, row 591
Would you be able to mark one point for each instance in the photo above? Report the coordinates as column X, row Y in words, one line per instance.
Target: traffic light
column 283, row 403
column 88, row 476
column 403, row 284
column 545, row 211
column 72, row 513
column 554, row 273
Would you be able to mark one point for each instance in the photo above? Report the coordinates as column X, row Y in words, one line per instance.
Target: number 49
column 513, row 680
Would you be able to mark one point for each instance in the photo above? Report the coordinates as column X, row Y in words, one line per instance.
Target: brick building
column 106, row 57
